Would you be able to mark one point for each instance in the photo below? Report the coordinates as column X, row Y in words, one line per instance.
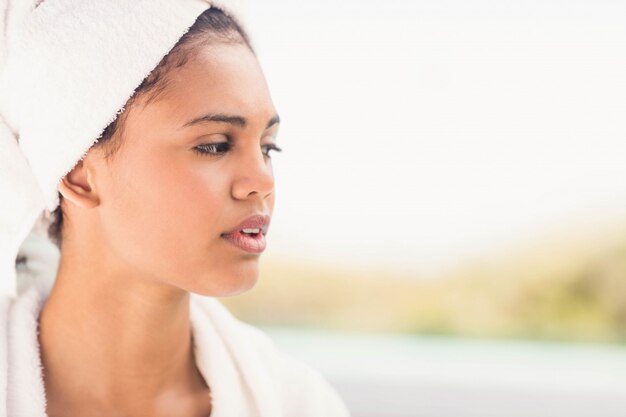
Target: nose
column 254, row 176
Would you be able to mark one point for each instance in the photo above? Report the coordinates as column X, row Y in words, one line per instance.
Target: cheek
column 185, row 194
column 167, row 211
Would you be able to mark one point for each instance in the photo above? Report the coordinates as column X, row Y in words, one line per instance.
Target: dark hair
column 212, row 26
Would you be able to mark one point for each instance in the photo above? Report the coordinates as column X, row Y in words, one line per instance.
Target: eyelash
column 199, row 149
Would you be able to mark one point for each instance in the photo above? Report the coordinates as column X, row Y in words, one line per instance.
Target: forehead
column 219, row 78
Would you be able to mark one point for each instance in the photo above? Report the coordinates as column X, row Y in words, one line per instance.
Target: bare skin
column 143, row 230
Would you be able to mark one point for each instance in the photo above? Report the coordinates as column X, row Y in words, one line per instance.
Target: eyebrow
column 226, row 118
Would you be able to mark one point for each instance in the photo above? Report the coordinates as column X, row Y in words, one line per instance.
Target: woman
column 166, row 211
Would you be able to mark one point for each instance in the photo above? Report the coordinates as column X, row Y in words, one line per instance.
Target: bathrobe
column 246, row 372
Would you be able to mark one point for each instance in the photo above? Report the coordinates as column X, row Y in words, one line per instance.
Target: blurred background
column 449, row 236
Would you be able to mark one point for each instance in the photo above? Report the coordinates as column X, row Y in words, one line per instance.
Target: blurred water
column 402, row 376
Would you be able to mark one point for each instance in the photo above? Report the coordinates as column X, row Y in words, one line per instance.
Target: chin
column 229, row 283
column 239, row 290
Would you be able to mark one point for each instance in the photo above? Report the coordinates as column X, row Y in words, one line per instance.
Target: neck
column 115, row 337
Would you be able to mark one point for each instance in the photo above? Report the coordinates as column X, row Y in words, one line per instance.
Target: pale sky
column 426, row 131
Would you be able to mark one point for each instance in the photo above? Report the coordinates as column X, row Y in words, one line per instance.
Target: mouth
column 252, row 226
column 246, row 232
column 249, row 235
column 251, row 232
column 248, row 241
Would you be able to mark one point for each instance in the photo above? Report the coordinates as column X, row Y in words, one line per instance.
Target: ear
column 77, row 187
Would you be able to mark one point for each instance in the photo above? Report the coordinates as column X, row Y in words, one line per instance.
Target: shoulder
column 302, row 389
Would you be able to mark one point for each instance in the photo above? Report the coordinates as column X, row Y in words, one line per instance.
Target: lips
column 249, row 235
column 258, row 221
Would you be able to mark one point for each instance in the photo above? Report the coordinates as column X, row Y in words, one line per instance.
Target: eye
column 271, row 147
column 212, row 148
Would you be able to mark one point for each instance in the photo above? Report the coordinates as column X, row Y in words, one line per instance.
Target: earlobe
column 76, row 187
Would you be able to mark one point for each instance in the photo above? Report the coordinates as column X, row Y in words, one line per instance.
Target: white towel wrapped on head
column 67, row 68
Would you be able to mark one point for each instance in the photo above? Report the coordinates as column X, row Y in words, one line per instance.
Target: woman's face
column 192, row 166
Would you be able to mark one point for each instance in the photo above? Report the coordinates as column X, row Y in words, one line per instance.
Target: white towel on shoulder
column 247, row 374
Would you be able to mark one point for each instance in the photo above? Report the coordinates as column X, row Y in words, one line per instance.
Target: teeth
column 251, row 231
